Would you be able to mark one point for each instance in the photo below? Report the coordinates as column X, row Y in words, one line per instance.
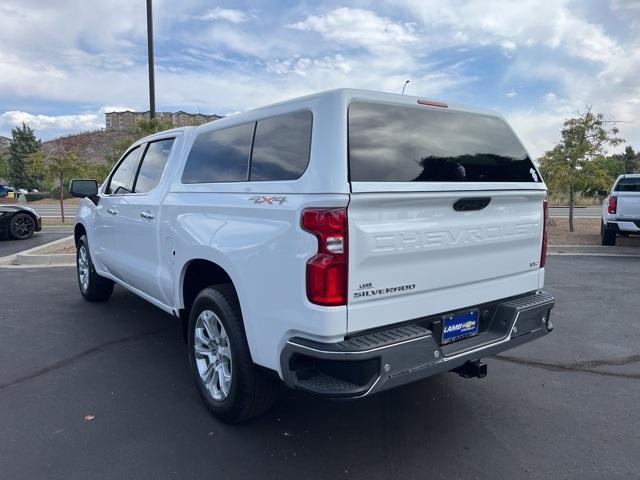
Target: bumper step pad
column 373, row 361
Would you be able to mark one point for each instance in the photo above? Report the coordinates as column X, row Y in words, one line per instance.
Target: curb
column 593, row 251
column 32, row 257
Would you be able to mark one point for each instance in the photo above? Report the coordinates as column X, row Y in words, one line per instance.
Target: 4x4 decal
column 268, row 200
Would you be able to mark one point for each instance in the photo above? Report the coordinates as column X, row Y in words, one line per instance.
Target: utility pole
column 152, row 87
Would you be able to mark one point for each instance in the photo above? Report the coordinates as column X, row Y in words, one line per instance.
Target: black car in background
column 18, row 222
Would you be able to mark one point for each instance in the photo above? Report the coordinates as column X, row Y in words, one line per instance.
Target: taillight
column 545, row 220
column 327, row 270
column 613, row 204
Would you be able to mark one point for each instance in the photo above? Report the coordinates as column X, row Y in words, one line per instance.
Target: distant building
column 120, row 121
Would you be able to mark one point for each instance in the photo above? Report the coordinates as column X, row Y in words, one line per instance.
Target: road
column 581, row 212
column 51, row 210
column 48, row 234
column 103, row 391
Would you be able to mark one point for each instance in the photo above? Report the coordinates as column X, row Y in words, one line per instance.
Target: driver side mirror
column 83, row 188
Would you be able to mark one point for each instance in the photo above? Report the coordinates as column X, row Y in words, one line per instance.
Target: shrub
column 34, row 196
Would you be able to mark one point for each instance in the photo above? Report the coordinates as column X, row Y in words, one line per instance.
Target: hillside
column 4, row 142
column 89, row 146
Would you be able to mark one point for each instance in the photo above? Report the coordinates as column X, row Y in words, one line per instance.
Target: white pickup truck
column 621, row 209
column 346, row 243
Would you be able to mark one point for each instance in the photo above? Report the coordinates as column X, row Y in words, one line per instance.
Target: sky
column 63, row 64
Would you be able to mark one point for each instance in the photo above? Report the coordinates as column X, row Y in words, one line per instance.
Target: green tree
column 35, row 168
column 4, row 166
column 60, row 168
column 597, row 174
column 99, row 171
column 569, row 165
column 630, row 160
column 23, row 144
column 614, row 167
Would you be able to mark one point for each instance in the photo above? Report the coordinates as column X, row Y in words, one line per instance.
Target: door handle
column 147, row 215
column 112, row 211
column 469, row 204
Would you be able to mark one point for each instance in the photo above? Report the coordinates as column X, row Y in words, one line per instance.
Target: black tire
column 251, row 392
column 97, row 288
column 608, row 236
column 22, row 226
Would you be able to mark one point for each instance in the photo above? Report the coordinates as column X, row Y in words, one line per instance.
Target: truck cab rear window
column 628, row 185
column 396, row 143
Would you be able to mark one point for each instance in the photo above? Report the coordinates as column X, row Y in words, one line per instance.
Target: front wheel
column 228, row 381
column 93, row 287
column 22, row 226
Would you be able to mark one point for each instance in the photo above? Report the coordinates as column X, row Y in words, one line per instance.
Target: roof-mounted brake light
column 432, row 103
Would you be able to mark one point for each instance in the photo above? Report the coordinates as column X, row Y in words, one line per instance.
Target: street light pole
column 152, row 87
column 404, row 86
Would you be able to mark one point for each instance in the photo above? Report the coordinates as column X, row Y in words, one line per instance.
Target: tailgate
column 628, row 205
column 411, row 254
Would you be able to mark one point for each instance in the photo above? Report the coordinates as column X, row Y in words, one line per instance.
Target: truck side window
column 123, row 177
column 220, row 156
column 153, row 163
column 281, row 147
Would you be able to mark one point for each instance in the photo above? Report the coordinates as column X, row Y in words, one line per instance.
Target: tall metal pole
column 152, row 86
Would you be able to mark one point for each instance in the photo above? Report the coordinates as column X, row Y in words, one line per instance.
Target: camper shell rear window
column 402, row 143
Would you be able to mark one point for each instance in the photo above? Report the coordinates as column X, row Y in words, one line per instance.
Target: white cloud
column 632, row 5
column 509, row 24
column 116, row 108
column 304, row 65
column 359, row 27
column 218, row 63
column 228, row 14
column 48, row 126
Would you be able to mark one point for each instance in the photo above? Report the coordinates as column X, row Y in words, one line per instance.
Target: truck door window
column 122, row 179
column 281, row 147
column 220, row 156
column 153, row 163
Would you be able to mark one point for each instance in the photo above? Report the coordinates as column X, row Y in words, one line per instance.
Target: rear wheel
column 93, row 287
column 22, row 226
column 231, row 385
column 607, row 235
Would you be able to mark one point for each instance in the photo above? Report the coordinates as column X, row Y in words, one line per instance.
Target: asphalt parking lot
column 48, row 234
column 103, row 391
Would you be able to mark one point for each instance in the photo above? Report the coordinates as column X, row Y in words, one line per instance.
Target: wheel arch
column 78, row 231
column 31, row 214
column 196, row 275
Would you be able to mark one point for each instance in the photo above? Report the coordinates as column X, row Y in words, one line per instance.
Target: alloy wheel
column 83, row 268
column 213, row 355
